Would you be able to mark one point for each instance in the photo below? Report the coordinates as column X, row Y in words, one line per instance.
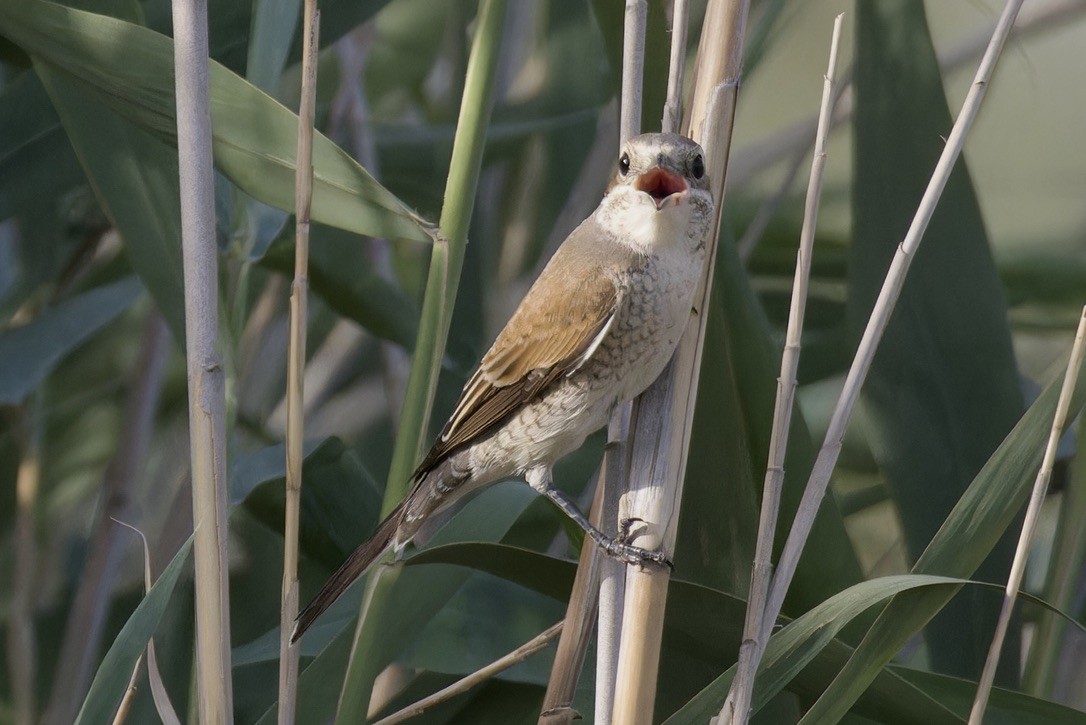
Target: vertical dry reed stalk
column 737, row 706
column 880, row 317
column 1029, row 525
column 303, row 198
column 660, row 438
column 206, row 384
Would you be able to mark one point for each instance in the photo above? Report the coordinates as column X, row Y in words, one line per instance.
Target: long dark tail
column 355, row 566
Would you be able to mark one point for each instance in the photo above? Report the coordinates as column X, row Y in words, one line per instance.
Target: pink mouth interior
column 660, row 184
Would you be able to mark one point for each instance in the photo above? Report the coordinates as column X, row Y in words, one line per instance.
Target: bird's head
column 659, row 193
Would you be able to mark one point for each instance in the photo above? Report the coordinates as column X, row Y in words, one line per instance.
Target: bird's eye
column 698, row 167
column 624, row 164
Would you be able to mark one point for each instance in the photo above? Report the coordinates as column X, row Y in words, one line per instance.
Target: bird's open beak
column 660, row 184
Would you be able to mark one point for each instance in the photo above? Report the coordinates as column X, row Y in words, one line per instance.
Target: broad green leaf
column 320, row 681
column 702, row 630
column 486, row 619
column 544, row 574
column 943, row 390
column 29, row 353
column 36, row 161
column 798, row 644
column 415, row 594
column 134, row 176
column 273, row 26
column 1061, row 581
column 729, row 452
column 801, row 641
column 254, row 136
column 339, row 506
column 252, row 468
column 977, row 522
column 113, row 674
column 1005, row 707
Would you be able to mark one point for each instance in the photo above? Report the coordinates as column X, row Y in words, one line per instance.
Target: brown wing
column 553, row 331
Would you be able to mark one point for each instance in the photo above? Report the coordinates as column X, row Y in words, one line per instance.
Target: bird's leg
column 540, row 480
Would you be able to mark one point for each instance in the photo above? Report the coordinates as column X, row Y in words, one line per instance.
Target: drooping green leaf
column 798, row 644
column 113, row 674
column 29, row 353
column 977, row 522
column 254, row 136
column 943, row 390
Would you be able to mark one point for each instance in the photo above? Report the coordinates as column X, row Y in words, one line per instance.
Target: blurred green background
column 92, row 375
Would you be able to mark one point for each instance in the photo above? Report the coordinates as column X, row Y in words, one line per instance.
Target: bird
column 596, row 328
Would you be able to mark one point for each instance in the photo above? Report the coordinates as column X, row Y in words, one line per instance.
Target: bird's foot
column 617, row 548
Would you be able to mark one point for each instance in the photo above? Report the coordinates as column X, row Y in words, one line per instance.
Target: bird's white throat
column 634, row 220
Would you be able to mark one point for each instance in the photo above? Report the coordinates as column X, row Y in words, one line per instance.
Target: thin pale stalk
column 660, row 439
column 880, row 317
column 129, row 695
column 22, row 639
column 1065, row 574
column 633, row 66
column 207, row 392
column 1029, row 526
column 673, row 107
column 737, row 706
column 303, row 200
column 83, row 631
column 576, row 629
column 443, row 279
column 612, row 586
column 526, row 650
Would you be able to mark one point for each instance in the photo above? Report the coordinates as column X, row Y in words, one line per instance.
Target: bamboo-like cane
column 876, row 326
column 1029, row 526
column 660, row 438
column 673, row 106
column 737, row 706
column 613, row 478
column 303, row 198
column 207, row 393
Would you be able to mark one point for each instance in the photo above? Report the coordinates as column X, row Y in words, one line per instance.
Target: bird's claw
column 629, row 554
column 624, row 527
